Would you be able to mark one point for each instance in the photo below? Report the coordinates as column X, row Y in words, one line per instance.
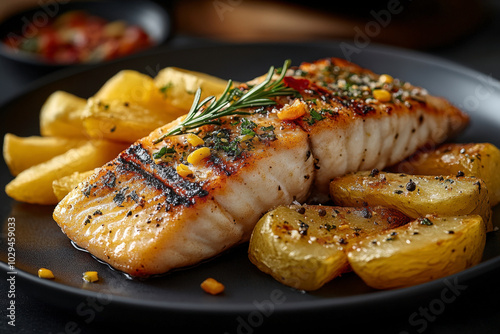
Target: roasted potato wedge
column 65, row 184
column 480, row 160
column 21, row 153
column 34, row 185
column 421, row 251
column 134, row 88
column 415, row 196
column 61, row 116
column 119, row 122
column 127, row 107
column 303, row 246
column 179, row 86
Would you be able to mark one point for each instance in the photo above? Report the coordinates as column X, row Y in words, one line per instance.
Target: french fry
column 34, row 185
column 119, row 122
column 127, row 107
column 65, row 184
column 179, row 86
column 20, row 153
column 61, row 116
column 134, row 88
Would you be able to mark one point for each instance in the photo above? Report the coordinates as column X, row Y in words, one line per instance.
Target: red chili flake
column 297, row 84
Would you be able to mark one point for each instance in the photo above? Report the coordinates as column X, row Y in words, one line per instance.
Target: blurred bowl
column 151, row 17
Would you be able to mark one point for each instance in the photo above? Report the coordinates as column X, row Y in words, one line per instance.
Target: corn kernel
column 343, row 227
column 245, row 138
column 195, row 157
column 212, row 286
column 90, row 276
column 45, row 273
column 382, row 95
column 183, row 170
column 386, row 78
column 194, row 140
column 294, row 111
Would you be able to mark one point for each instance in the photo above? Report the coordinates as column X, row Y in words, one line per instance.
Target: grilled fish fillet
column 143, row 218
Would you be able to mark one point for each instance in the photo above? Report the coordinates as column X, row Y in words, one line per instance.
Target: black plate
column 151, row 17
column 177, row 296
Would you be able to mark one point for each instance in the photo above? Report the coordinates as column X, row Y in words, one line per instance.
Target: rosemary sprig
column 210, row 110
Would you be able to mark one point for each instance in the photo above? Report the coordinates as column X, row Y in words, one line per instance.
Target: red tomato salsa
column 78, row 37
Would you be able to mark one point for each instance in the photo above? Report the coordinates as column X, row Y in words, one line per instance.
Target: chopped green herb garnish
column 425, row 221
column 247, row 127
column 267, row 128
column 315, row 117
column 247, row 132
column 220, row 140
column 329, row 227
column 165, row 88
column 164, row 151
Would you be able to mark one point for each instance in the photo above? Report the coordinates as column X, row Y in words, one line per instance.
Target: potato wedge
column 421, row 251
column 134, row 88
column 480, row 160
column 127, row 107
column 34, row 185
column 61, row 116
column 65, row 184
column 21, row 153
column 303, row 246
column 119, row 122
column 179, row 86
column 415, row 196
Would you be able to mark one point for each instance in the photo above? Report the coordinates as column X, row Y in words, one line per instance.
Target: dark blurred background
column 466, row 31
column 414, row 24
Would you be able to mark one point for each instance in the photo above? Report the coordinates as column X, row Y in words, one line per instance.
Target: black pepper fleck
column 366, row 213
column 303, row 227
column 374, row 172
column 411, row 186
column 478, row 185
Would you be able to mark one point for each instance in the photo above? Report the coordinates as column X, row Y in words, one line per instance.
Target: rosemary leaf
column 232, row 100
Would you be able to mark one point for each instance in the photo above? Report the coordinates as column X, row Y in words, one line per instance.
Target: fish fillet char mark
column 139, row 215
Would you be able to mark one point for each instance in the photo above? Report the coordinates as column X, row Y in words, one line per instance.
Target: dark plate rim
column 372, row 298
